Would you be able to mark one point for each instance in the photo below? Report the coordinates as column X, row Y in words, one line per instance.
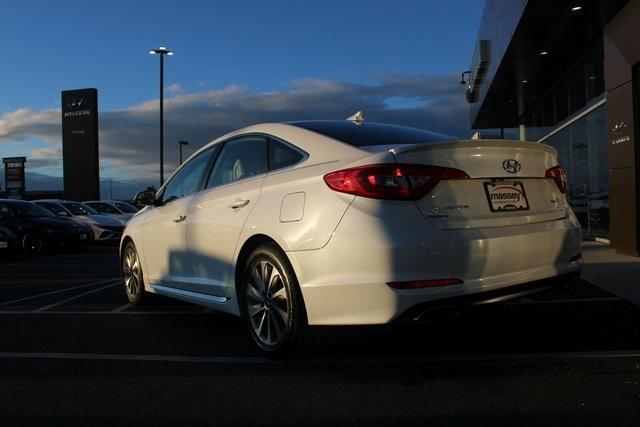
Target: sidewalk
column 616, row 273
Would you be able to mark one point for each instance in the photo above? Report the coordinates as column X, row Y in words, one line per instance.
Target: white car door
column 219, row 212
column 165, row 241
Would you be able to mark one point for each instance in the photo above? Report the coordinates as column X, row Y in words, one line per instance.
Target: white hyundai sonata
column 299, row 224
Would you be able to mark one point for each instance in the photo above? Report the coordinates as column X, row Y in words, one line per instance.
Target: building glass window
column 582, row 151
column 581, row 87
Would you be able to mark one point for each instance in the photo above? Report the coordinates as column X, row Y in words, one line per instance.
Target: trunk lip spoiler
column 480, row 143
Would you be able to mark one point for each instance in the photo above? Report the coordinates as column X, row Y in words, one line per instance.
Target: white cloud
column 174, row 88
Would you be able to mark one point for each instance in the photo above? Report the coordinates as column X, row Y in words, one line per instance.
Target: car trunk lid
column 506, row 184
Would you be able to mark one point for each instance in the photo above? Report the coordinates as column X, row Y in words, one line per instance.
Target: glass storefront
column 579, row 88
column 582, row 148
column 571, row 117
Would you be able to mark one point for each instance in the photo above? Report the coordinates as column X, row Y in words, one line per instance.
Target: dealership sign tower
column 80, row 144
column 14, row 176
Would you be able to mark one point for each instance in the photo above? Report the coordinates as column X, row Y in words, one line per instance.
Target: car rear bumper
column 75, row 239
column 345, row 283
column 432, row 309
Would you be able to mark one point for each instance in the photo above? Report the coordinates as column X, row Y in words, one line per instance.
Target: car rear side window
column 52, row 207
column 125, row 207
column 103, row 208
column 365, row 134
column 281, row 156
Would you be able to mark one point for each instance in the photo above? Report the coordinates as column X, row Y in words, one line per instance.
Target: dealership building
column 567, row 73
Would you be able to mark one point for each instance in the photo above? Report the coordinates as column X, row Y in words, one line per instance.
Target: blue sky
column 227, row 53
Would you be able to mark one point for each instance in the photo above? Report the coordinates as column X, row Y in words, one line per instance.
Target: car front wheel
column 33, row 243
column 132, row 274
column 272, row 305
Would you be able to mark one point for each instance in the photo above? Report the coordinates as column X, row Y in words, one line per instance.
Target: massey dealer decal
column 504, row 197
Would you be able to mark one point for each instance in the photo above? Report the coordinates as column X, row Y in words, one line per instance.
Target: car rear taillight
column 419, row 284
column 391, row 181
column 559, row 176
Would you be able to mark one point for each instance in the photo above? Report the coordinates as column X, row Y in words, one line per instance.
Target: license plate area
column 506, row 196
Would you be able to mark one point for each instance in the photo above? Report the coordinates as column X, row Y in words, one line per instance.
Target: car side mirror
column 148, row 198
column 63, row 214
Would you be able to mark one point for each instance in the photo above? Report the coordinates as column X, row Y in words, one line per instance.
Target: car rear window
column 125, row 207
column 365, row 134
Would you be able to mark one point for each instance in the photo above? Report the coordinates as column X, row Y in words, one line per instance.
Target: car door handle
column 179, row 218
column 239, row 203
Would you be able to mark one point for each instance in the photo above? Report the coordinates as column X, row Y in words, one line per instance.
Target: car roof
column 57, row 201
column 312, row 142
column 16, row 201
column 320, row 147
column 364, row 134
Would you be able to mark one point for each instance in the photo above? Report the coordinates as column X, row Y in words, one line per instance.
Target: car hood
column 101, row 220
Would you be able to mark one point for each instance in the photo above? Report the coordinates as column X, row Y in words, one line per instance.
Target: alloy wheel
column 33, row 243
column 267, row 303
column 131, row 274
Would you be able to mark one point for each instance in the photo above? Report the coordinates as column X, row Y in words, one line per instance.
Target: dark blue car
column 36, row 228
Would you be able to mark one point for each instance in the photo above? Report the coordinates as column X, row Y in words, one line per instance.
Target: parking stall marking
column 322, row 361
column 566, row 301
column 112, row 312
column 113, row 279
column 57, row 303
column 122, row 308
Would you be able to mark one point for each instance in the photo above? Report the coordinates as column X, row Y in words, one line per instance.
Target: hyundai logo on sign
column 511, row 166
column 619, row 128
column 77, row 108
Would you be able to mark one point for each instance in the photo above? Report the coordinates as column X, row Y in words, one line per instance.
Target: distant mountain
column 117, row 190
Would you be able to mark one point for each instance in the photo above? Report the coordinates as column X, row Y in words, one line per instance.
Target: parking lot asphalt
column 73, row 351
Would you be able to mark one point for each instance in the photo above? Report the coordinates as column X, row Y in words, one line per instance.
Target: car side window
column 104, row 208
column 281, row 156
column 239, row 159
column 187, row 180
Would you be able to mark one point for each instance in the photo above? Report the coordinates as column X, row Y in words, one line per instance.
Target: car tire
column 132, row 277
column 273, row 308
column 33, row 243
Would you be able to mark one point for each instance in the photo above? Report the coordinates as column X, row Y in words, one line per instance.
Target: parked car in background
column 8, row 240
column 113, row 208
column 292, row 225
column 36, row 229
column 104, row 228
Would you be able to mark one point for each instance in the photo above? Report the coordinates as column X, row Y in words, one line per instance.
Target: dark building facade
column 566, row 73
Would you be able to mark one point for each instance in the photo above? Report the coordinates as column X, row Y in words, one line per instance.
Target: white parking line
column 122, row 308
column 311, row 361
column 55, row 304
column 137, row 357
column 94, row 312
column 565, row 301
column 58, row 291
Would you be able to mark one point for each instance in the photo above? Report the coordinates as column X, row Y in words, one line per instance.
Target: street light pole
column 181, row 143
column 162, row 51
